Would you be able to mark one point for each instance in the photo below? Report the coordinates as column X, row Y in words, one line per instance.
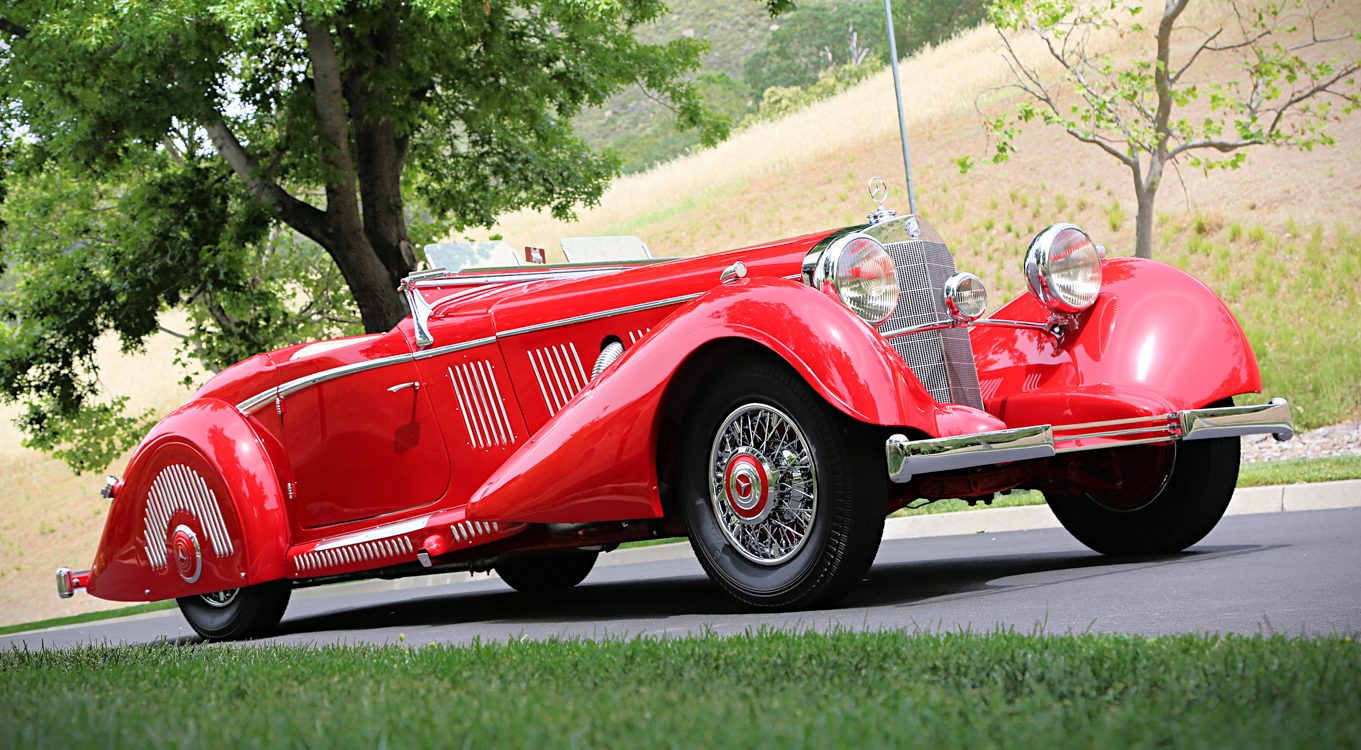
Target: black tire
column 830, row 554
column 546, row 571
column 251, row 612
column 1189, row 505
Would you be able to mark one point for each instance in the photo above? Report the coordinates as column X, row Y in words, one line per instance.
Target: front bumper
column 908, row 458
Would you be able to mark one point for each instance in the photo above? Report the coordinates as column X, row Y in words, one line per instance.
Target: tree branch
column 1029, row 82
column 1318, row 88
column 305, row 218
column 13, row 29
column 1191, row 61
column 1223, row 147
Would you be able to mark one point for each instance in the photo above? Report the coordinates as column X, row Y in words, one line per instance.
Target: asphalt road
column 1291, row 573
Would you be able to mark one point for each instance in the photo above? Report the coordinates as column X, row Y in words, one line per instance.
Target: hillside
column 1285, row 226
column 1279, row 239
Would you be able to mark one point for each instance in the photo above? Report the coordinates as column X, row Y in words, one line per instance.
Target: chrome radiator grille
column 942, row 360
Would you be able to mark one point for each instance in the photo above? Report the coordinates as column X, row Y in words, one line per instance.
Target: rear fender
column 595, row 460
column 1157, row 340
column 204, row 469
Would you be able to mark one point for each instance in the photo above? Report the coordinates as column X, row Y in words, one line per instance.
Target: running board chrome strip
column 908, row 458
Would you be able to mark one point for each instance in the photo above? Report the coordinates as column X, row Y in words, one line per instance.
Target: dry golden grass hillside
column 1271, row 238
column 809, row 170
column 50, row 517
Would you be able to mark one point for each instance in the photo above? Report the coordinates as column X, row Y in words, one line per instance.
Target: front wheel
column 236, row 614
column 783, row 496
column 1179, row 513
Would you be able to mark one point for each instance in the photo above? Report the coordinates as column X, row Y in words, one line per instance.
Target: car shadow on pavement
column 914, row 582
column 887, row 584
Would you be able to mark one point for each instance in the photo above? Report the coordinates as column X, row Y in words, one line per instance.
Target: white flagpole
column 898, row 94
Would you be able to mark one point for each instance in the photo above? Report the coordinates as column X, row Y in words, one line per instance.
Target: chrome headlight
column 860, row 272
column 965, row 297
column 1063, row 269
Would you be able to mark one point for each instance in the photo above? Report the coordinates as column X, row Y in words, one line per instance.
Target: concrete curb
column 1274, row 499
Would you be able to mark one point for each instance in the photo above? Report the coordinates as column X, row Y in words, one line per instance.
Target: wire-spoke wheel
column 763, row 484
column 220, row 599
column 783, row 496
column 236, row 614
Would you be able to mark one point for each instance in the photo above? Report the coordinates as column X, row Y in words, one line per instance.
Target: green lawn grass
column 107, row 614
column 771, row 689
column 1300, row 471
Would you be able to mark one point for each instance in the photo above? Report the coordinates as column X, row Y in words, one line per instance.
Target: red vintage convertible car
column 772, row 403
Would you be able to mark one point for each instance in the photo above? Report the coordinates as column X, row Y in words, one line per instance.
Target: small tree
column 1152, row 112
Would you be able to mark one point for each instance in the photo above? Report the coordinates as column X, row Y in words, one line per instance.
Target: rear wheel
column 236, row 614
column 547, row 571
column 783, row 496
column 1175, row 515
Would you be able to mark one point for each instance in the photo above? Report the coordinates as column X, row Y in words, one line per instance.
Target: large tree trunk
column 380, row 305
column 380, row 152
column 366, row 238
column 372, row 281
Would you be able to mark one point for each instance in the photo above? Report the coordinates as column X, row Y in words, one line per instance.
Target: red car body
column 381, row 455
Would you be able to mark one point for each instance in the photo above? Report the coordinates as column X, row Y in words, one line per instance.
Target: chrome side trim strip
column 306, row 381
column 386, row 531
column 597, row 315
column 258, row 400
column 907, row 458
column 450, row 348
column 360, row 552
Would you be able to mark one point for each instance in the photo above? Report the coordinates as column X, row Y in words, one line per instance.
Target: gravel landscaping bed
column 1343, row 439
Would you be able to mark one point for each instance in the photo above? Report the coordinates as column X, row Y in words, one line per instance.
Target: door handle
column 403, row 386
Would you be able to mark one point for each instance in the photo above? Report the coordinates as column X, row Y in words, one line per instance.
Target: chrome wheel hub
column 762, row 484
column 188, row 556
column 745, row 487
column 220, row 598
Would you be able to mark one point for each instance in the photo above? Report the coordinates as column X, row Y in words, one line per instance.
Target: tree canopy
column 273, row 166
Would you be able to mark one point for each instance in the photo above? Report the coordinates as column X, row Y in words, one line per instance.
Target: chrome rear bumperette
column 908, row 458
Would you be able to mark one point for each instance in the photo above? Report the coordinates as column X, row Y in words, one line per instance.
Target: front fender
column 207, row 469
column 1157, row 340
column 595, row 459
